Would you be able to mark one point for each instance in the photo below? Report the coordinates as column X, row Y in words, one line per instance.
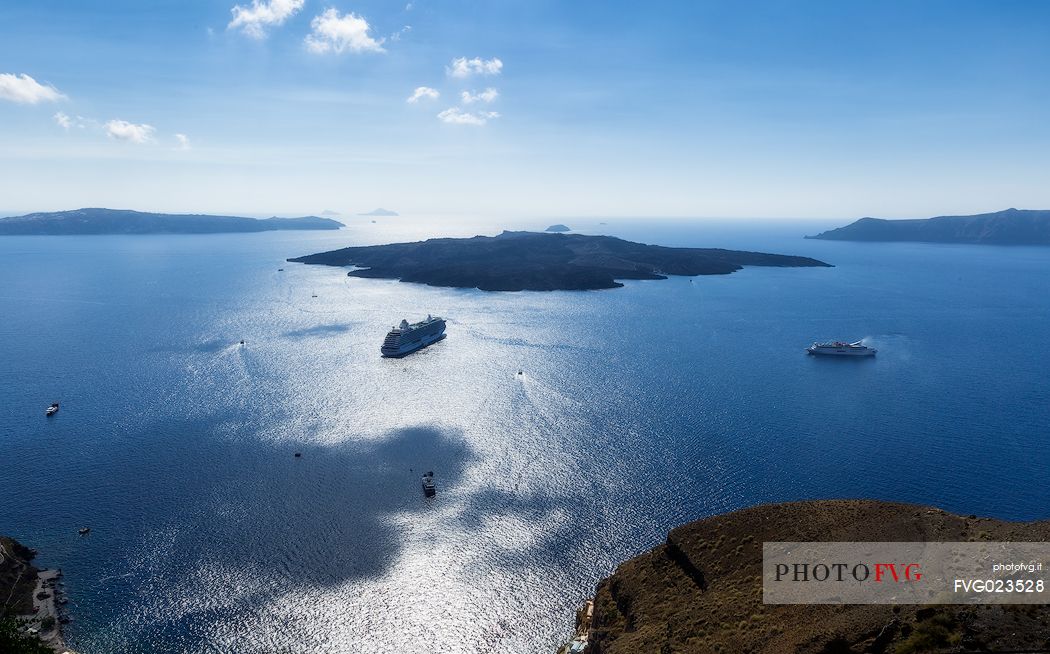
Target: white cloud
column 254, row 20
column 463, row 67
column 122, row 130
column 67, row 122
column 184, row 142
column 396, row 36
column 335, row 33
column 456, row 116
column 26, row 90
column 486, row 96
column 423, row 92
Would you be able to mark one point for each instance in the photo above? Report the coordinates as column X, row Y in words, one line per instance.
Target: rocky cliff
column 701, row 590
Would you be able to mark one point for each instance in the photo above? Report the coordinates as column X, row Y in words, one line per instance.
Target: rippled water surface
column 639, row 408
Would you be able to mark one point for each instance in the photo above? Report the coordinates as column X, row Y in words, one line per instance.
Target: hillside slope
column 701, row 590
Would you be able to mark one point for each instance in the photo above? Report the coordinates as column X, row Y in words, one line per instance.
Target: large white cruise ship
column 840, row 349
column 407, row 338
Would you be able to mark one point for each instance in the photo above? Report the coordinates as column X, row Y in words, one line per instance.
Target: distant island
column 120, row 221
column 532, row 261
column 558, row 228
column 701, row 590
column 380, row 212
column 1009, row 227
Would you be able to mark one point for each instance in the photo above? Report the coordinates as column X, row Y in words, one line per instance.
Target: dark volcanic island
column 529, row 261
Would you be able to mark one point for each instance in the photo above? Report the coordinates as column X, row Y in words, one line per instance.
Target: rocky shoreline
column 33, row 597
column 701, row 590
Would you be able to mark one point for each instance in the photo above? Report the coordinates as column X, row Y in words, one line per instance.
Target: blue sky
column 766, row 109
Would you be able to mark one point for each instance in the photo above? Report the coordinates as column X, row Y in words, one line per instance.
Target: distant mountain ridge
column 380, row 212
column 123, row 221
column 1009, row 227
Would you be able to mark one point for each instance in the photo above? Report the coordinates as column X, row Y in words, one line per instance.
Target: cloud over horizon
column 122, row 130
column 463, row 67
column 338, row 34
column 456, row 116
column 23, row 89
column 486, row 96
column 254, row 20
column 423, row 93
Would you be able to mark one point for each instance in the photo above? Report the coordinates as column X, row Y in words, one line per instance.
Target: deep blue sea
column 639, row 409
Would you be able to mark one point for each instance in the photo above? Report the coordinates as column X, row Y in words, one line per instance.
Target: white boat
column 428, row 484
column 407, row 338
column 841, row 349
column 53, row 409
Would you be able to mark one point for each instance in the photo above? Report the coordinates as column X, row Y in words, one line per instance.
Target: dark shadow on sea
column 182, row 498
column 319, row 330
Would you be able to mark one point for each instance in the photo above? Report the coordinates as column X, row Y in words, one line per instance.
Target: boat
column 429, row 489
column 84, row 531
column 841, row 349
column 53, row 409
column 407, row 338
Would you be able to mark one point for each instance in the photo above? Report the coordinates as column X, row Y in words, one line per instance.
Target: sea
column 637, row 409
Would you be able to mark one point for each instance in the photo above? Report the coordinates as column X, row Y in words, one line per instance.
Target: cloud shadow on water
column 208, row 498
column 318, row 330
column 323, row 519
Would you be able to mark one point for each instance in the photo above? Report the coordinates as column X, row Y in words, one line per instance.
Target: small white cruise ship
column 407, row 338
column 840, row 349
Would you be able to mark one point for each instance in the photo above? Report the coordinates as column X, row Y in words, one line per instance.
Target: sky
column 526, row 108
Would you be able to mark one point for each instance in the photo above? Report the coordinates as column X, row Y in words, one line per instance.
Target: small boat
column 298, row 455
column 520, row 372
column 242, row 341
column 84, row 531
column 53, row 409
column 429, row 489
column 280, row 270
column 840, row 349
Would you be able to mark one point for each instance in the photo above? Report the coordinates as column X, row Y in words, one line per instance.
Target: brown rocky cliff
column 17, row 578
column 701, row 591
